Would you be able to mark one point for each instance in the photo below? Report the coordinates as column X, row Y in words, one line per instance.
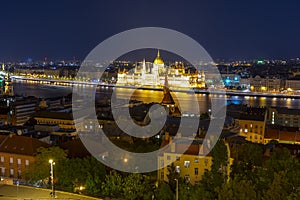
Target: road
column 9, row 192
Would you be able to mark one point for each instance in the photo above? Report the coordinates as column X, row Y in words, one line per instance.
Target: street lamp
column 52, row 177
column 176, row 189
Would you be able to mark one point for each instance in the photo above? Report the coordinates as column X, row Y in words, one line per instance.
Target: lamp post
column 176, row 189
column 52, row 177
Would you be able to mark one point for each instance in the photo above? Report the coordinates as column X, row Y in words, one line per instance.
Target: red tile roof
column 20, row 145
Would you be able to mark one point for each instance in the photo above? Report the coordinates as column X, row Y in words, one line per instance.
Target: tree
column 164, row 192
column 279, row 188
column 96, row 170
column 136, row 186
column 172, row 175
column 40, row 170
column 282, row 162
column 295, row 195
column 212, row 180
column 219, row 157
column 248, row 164
column 113, row 185
column 237, row 190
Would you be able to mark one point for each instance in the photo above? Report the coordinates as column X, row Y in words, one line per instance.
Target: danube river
column 147, row 96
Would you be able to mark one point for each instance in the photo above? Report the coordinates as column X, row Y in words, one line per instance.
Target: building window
column 11, row 172
column 196, row 160
column 168, row 157
column 273, row 117
column 3, row 171
column 27, row 163
column 177, row 169
column 187, row 164
column 19, row 162
column 11, row 160
column 196, row 171
column 178, row 158
column 2, row 159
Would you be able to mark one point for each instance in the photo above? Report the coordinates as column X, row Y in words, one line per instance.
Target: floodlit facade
column 252, row 123
column 153, row 75
column 190, row 165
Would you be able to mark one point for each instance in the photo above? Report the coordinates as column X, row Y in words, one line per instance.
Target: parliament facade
column 153, row 75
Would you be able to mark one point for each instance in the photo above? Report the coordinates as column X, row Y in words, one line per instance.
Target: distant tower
column 158, row 63
column 168, row 100
column 144, row 66
column 8, row 88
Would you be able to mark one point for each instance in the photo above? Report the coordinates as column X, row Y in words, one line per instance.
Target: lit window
column 2, row 159
column 11, row 160
column 196, row 160
column 26, row 162
column 187, row 164
column 246, row 130
column 196, row 171
column 19, row 161
column 177, row 169
column 11, row 172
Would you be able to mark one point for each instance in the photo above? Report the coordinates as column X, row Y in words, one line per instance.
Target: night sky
column 61, row 29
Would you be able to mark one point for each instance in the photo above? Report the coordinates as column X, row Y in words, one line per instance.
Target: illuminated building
column 192, row 164
column 252, row 124
column 267, row 84
column 153, row 75
column 17, row 153
column 284, row 116
column 63, row 120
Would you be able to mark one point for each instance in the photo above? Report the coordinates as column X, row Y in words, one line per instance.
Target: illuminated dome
column 158, row 59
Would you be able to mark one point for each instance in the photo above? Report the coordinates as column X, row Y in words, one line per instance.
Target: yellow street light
column 52, row 177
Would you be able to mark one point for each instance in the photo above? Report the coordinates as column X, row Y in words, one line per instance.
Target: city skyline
column 230, row 30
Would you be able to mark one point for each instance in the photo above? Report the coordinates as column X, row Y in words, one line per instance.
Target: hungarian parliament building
column 147, row 74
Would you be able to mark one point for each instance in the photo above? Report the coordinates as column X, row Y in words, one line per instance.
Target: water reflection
column 148, row 96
